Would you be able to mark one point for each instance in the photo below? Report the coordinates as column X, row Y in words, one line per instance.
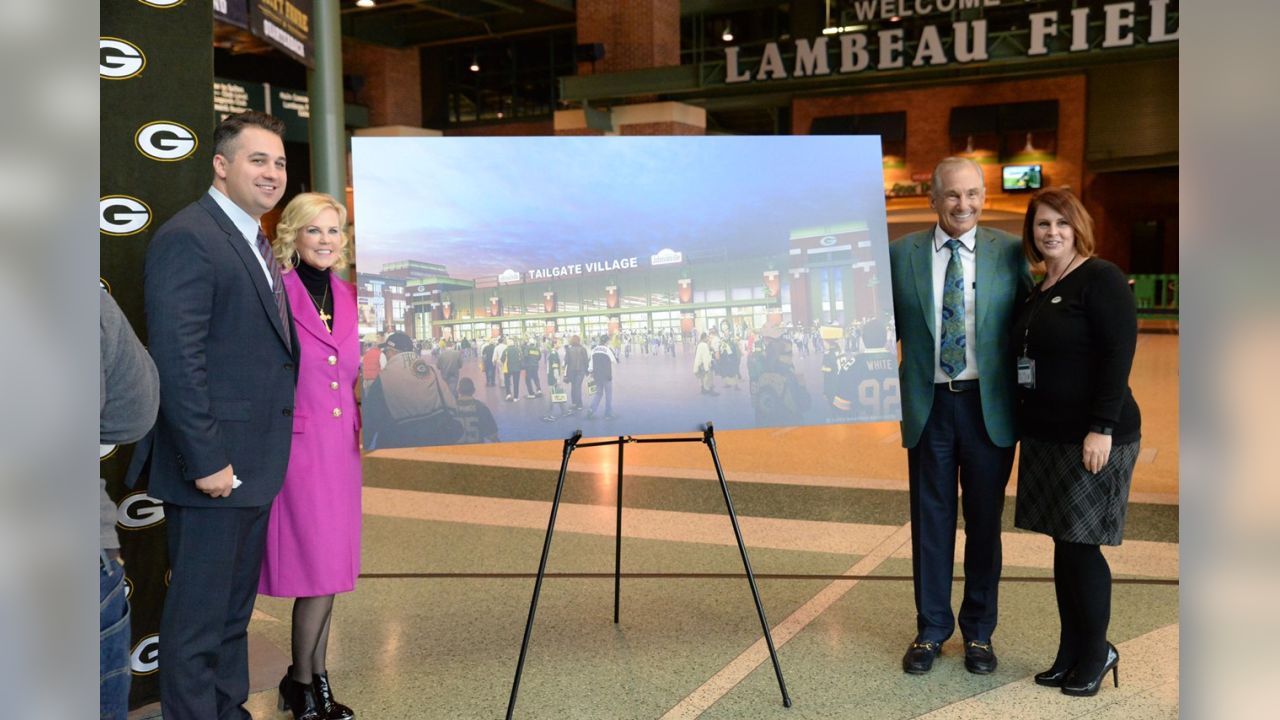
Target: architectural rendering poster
column 524, row 288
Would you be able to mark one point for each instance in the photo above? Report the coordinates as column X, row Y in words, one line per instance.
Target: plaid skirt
column 1057, row 496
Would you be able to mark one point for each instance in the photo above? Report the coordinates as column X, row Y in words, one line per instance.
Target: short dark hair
column 466, row 386
column 230, row 128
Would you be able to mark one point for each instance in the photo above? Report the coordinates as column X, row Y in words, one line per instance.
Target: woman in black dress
column 1080, row 427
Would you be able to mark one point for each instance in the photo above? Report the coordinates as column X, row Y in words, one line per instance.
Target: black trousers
column 954, row 452
column 215, row 555
column 575, row 388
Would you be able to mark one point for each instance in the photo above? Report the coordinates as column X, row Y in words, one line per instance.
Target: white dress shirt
column 968, row 261
column 245, row 223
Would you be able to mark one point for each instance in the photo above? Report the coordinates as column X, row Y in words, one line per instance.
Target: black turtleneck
column 317, row 282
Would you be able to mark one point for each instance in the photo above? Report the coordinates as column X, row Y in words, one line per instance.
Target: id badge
column 1026, row 372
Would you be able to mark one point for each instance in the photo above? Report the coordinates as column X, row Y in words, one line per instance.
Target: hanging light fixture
column 727, row 35
column 365, row 3
column 475, row 63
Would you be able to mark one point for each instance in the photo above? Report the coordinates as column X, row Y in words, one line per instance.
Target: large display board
column 740, row 280
column 156, row 130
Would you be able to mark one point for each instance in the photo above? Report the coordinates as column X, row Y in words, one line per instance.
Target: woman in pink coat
column 313, row 539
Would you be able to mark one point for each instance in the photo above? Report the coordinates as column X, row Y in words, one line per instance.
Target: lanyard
column 1040, row 303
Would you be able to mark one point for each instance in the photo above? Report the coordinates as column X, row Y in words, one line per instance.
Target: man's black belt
column 959, row 386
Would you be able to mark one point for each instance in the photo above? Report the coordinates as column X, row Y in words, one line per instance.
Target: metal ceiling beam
column 440, row 11
column 401, row 31
column 724, row 7
column 462, row 40
column 561, row 5
column 382, row 7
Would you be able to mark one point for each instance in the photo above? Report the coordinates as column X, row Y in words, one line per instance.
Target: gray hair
column 947, row 163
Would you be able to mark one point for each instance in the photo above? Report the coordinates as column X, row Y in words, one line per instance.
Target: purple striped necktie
column 277, row 283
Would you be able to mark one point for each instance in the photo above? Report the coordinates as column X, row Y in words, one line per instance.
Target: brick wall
column 392, row 82
column 1116, row 200
column 929, row 115
column 507, row 129
column 636, row 33
column 661, row 128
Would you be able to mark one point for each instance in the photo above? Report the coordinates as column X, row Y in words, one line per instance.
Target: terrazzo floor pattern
column 414, row 641
column 406, row 647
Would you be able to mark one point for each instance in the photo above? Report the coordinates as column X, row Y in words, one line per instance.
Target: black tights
column 1082, row 579
column 310, row 636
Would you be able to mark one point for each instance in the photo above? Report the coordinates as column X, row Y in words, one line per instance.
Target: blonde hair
column 300, row 211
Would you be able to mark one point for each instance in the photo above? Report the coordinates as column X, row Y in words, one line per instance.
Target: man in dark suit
column 222, row 340
column 955, row 289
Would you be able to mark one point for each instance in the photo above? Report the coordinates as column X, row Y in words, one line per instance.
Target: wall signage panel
column 1046, row 28
column 291, row 106
column 285, row 24
column 235, row 12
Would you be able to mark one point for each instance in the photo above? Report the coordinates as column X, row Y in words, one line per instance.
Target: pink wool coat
column 313, row 539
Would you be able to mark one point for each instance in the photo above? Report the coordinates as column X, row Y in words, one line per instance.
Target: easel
column 571, row 444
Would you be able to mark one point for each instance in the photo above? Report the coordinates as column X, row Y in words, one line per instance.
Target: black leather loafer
column 979, row 657
column 919, row 657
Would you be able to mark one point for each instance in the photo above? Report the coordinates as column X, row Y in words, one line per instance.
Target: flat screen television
column 1017, row 178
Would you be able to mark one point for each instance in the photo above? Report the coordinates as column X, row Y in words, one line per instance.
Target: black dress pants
column 215, row 555
column 954, row 451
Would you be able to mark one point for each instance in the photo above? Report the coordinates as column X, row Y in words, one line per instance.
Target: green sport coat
column 1003, row 281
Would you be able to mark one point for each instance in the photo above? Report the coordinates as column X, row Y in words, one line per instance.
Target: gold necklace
column 324, row 316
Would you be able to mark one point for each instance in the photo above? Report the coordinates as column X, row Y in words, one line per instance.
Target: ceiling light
column 838, row 29
column 727, row 35
column 475, row 64
column 365, row 3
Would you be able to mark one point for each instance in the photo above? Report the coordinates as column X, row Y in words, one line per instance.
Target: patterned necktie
column 951, row 355
column 277, row 283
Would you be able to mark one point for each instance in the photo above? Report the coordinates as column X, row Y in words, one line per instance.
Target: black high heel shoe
column 1087, row 687
column 300, row 699
column 333, row 710
column 1054, row 676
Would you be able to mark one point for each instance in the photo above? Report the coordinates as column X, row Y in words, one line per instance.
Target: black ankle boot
column 300, row 699
column 1078, row 685
column 333, row 710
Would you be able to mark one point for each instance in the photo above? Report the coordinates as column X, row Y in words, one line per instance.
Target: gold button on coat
column 333, row 385
column 337, row 412
column 333, row 360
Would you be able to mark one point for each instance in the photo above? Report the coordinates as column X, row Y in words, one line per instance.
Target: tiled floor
column 452, row 535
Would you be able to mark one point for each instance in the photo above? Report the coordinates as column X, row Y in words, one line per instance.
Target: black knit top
column 317, row 282
column 1081, row 333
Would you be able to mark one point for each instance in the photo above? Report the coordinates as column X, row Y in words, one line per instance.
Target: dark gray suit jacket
column 227, row 376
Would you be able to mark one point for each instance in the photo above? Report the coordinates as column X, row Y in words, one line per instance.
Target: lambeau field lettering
column 969, row 39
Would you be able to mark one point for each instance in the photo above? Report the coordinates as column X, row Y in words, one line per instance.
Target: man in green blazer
column 956, row 287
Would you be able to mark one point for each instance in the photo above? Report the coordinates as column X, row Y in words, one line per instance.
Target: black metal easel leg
column 708, row 437
column 569, row 445
column 617, row 543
